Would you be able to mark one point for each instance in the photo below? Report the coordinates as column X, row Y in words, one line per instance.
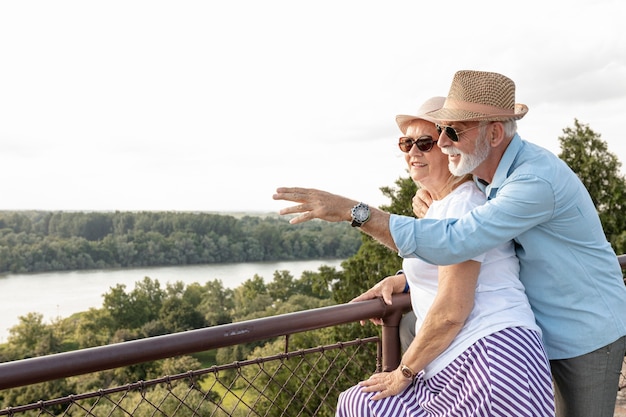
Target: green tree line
column 37, row 241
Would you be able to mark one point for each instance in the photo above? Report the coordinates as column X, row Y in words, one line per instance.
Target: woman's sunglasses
column 451, row 133
column 423, row 143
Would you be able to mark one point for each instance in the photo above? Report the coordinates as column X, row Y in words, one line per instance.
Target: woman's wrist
column 406, row 281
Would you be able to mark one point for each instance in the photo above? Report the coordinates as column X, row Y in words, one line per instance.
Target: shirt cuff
column 402, row 230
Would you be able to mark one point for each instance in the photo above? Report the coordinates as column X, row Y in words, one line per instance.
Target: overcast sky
column 211, row 105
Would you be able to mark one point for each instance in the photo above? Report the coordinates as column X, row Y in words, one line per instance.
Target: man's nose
column 444, row 140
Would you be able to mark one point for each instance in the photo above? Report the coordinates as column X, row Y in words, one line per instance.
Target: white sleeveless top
column 499, row 301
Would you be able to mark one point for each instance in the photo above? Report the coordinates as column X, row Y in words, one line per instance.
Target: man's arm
column 317, row 204
column 521, row 204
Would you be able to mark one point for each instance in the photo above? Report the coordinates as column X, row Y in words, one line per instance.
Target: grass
column 230, row 398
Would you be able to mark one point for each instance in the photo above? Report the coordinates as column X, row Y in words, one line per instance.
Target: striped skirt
column 504, row 374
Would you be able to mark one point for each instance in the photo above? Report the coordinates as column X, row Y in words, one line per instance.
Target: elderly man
column 571, row 274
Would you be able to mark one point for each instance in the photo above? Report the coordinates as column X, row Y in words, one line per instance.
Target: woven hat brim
column 460, row 115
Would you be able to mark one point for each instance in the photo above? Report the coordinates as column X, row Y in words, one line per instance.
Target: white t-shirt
column 499, row 301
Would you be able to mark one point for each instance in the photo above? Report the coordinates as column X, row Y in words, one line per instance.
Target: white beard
column 469, row 162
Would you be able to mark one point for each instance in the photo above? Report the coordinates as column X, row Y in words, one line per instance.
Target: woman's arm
column 447, row 315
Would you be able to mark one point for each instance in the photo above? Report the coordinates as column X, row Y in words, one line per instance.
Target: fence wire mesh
column 301, row 383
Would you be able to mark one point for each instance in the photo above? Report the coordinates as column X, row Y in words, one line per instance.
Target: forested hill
column 37, row 241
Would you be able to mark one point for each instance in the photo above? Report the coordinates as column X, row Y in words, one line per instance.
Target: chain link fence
column 300, row 383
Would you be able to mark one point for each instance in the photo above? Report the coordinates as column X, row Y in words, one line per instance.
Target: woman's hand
column 385, row 384
column 384, row 289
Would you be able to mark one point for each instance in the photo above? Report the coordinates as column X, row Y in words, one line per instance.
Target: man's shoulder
column 535, row 160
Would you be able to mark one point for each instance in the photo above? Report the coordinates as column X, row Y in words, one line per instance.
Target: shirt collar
column 504, row 167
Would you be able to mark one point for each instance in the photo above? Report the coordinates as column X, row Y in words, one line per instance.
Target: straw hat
column 480, row 95
column 430, row 105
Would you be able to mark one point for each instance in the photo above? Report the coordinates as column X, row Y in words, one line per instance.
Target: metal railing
column 308, row 381
column 301, row 383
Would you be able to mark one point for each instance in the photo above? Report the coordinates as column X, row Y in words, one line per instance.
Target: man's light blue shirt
column 572, row 277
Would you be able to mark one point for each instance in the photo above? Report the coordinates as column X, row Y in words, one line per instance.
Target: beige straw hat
column 430, row 105
column 480, row 95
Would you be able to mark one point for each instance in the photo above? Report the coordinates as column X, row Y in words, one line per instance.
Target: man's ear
column 495, row 134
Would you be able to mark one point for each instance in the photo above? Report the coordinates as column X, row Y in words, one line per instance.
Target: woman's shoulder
column 463, row 199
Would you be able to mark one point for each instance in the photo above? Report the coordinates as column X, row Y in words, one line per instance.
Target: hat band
column 477, row 108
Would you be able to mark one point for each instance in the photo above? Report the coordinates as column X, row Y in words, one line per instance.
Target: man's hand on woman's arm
column 420, row 203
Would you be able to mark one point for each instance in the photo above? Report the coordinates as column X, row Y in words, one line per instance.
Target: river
column 61, row 294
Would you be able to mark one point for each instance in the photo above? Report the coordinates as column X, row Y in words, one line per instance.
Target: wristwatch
column 360, row 214
column 407, row 372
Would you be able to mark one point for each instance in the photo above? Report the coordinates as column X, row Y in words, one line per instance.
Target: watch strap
column 356, row 223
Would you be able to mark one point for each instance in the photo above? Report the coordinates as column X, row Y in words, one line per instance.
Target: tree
column 32, row 337
column 216, row 303
column 177, row 315
column 117, row 303
column 147, row 297
column 250, row 297
column 599, row 170
column 131, row 311
column 317, row 284
column 282, row 286
column 93, row 327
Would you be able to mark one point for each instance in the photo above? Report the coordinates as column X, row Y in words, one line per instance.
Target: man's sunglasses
column 423, row 143
column 451, row 133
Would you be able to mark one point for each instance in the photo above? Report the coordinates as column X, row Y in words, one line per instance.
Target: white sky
column 211, row 105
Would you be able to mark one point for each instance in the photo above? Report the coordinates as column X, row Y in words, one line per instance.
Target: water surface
column 61, row 294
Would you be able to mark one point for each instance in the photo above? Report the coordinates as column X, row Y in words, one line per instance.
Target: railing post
column 391, row 331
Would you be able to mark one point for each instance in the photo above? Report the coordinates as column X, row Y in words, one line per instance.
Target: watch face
column 361, row 213
column 406, row 372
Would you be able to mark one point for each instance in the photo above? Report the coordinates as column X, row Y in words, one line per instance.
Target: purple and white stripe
column 503, row 374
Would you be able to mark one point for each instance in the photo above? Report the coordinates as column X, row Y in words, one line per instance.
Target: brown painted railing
column 61, row 365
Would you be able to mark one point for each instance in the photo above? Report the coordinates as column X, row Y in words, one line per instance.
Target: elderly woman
column 477, row 349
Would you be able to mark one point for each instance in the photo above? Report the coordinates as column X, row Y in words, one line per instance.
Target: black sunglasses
column 451, row 133
column 423, row 143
